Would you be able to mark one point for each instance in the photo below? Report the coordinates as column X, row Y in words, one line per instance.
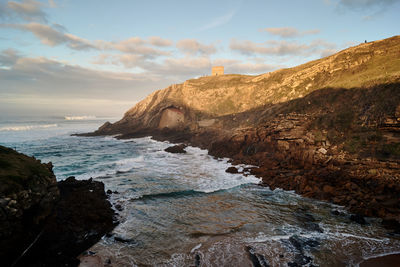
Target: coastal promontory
column 328, row 129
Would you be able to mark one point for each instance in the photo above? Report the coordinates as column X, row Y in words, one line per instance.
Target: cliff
column 200, row 100
column 45, row 223
column 329, row 129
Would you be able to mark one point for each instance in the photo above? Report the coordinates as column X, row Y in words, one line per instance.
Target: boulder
column 232, row 170
column 176, row 149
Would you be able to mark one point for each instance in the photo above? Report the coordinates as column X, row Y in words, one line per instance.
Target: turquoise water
column 184, row 210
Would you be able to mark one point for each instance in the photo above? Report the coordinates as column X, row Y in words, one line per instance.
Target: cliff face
column 209, row 97
column 328, row 129
column 28, row 193
column 56, row 221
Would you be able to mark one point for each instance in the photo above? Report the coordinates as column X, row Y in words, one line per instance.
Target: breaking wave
column 79, row 118
column 27, row 127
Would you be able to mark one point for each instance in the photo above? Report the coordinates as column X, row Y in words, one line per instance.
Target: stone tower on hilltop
column 217, row 70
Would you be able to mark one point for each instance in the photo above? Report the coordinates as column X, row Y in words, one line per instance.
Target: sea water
column 185, row 210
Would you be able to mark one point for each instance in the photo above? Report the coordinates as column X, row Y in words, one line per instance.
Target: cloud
column 158, row 41
column 289, row 32
column 126, row 60
column 219, row 21
column 279, row 48
column 29, row 10
column 46, row 77
column 365, row 4
column 52, row 4
column 192, row 46
column 8, row 57
column 237, row 66
column 373, row 8
column 53, row 37
column 135, row 45
column 56, row 35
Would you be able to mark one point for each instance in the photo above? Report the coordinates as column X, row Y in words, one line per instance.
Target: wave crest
column 27, row 127
column 79, row 118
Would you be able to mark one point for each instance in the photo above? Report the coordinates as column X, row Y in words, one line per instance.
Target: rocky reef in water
column 328, row 129
column 45, row 223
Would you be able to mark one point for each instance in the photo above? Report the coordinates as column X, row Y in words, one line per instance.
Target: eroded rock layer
column 328, row 129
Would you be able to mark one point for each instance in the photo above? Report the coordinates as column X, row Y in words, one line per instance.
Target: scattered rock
column 256, row 259
column 124, row 240
column 232, row 170
column 197, row 260
column 90, row 261
column 176, row 149
column 358, row 219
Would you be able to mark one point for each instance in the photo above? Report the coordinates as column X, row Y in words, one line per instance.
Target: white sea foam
column 27, row 127
column 79, row 118
column 207, row 174
column 195, row 248
column 119, row 166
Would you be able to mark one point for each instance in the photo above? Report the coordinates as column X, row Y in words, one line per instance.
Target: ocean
column 185, row 210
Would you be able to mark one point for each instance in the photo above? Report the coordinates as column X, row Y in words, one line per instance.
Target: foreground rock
column 180, row 149
column 55, row 222
column 28, row 194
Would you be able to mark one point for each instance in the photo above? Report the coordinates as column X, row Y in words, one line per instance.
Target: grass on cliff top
column 18, row 171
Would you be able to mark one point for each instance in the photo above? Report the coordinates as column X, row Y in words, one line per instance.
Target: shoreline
column 348, row 181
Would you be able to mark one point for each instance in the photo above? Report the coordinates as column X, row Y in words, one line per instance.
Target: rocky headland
column 328, row 129
column 45, row 223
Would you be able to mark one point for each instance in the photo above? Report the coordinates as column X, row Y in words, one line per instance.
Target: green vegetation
column 18, row 171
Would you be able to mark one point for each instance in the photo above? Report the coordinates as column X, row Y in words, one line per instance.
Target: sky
column 100, row 57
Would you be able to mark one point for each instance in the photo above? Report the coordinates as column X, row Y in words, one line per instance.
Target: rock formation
column 328, row 129
column 45, row 223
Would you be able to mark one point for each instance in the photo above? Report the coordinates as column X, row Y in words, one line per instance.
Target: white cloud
column 219, row 21
column 289, row 32
column 363, row 4
column 8, row 57
column 52, row 4
column 279, row 48
column 192, row 46
column 29, row 10
column 236, row 66
column 45, row 77
column 369, row 8
column 158, row 41
column 51, row 36
column 135, row 45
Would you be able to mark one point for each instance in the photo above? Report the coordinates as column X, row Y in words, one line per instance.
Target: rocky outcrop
column 81, row 217
column 28, row 194
column 45, row 223
column 291, row 157
column 197, row 101
column 327, row 129
column 180, row 149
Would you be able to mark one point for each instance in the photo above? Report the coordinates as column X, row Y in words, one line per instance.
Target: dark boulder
column 358, row 219
column 82, row 216
column 232, row 170
column 45, row 223
column 28, row 194
column 176, row 149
